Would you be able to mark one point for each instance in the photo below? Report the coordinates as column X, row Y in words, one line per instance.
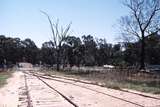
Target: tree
column 131, row 53
column 143, row 20
column 90, row 50
column 153, row 49
column 58, row 36
column 2, row 46
column 9, row 49
column 104, row 51
column 117, row 57
column 47, row 54
column 74, row 54
column 30, row 51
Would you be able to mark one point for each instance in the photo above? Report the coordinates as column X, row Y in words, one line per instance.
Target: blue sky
column 23, row 19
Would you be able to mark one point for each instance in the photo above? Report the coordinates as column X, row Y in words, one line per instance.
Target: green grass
column 4, row 75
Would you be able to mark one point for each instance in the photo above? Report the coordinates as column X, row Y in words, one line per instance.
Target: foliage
column 79, row 52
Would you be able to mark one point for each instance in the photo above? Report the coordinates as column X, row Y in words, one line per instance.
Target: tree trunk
column 142, row 64
column 58, row 59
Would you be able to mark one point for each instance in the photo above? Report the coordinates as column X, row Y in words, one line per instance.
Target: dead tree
column 142, row 21
column 59, row 34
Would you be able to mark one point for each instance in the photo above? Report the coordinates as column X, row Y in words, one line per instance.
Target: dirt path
column 25, row 90
column 9, row 93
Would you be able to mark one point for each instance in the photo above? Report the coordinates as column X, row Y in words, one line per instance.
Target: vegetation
column 3, row 77
column 119, row 79
column 142, row 21
column 140, row 46
column 79, row 52
column 139, row 30
column 59, row 36
column 13, row 50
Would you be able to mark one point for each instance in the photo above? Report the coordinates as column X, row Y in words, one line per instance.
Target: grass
column 143, row 86
column 4, row 75
column 115, row 80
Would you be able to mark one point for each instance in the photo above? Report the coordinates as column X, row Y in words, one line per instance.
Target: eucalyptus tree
column 29, row 50
column 89, row 50
column 47, row 53
column 74, row 53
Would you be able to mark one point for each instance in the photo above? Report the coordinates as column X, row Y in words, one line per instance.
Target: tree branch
column 51, row 26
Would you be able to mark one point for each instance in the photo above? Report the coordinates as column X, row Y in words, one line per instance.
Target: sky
column 23, row 19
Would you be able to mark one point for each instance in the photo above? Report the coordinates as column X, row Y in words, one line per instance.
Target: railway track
column 24, row 95
column 92, row 83
column 29, row 100
column 43, row 79
column 66, row 98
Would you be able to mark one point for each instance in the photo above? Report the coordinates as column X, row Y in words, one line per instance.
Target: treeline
column 86, row 51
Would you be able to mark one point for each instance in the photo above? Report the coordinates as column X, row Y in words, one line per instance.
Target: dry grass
column 118, row 79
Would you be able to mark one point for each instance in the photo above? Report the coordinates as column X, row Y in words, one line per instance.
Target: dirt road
column 28, row 89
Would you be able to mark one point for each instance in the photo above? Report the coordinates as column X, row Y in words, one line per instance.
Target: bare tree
column 142, row 21
column 59, row 34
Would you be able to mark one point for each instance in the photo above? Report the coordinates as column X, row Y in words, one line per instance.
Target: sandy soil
column 9, row 93
column 84, row 95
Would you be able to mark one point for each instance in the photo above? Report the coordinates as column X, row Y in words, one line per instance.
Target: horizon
column 23, row 19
